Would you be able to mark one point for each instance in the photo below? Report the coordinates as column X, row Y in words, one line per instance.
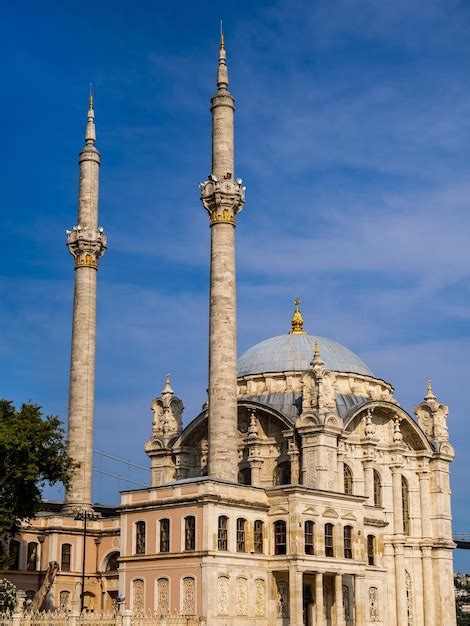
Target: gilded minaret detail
column 223, row 196
column 87, row 243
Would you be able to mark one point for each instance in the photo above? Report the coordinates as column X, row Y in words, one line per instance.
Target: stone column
column 400, row 585
column 340, row 470
column 339, row 600
column 369, row 482
column 319, row 604
column 425, row 502
column 397, row 501
column 223, row 197
column 295, row 596
column 87, row 243
column 360, row 601
column 428, row 586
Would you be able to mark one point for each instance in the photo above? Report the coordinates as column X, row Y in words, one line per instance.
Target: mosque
column 302, row 494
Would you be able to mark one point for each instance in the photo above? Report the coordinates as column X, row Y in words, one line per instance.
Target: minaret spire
column 86, row 243
column 223, row 197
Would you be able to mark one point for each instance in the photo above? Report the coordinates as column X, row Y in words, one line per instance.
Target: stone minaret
column 87, row 243
column 223, row 197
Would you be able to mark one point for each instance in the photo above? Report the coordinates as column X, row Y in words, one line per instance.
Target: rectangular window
column 258, row 537
column 308, row 537
column 241, row 523
column 280, row 537
column 371, row 549
column 66, row 559
column 347, row 535
column 140, row 538
column 190, row 533
column 32, row 556
column 164, row 535
column 329, row 550
column 222, row 543
column 14, row 555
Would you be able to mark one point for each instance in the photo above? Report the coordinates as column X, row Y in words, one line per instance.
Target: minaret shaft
column 223, row 198
column 86, row 243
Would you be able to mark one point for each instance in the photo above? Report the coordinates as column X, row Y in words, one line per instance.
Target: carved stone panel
column 163, row 597
column 260, row 597
column 242, row 596
column 189, row 597
column 223, row 595
column 138, row 596
column 282, row 599
column 373, row 604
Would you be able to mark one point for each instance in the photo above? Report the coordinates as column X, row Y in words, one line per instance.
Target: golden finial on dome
column 297, row 322
column 430, row 393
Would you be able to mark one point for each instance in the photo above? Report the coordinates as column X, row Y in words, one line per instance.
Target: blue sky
column 353, row 138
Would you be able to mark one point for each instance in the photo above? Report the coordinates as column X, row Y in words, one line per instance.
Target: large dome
column 294, row 352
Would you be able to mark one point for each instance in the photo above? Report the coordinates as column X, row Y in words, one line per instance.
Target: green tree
column 32, row 453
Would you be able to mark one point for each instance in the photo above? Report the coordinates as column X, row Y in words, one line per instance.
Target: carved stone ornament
column 138, row 596
column 370, row 427
column 397, row 434
column 242, row 596
column 373, row 604
column 189, row 604
column 86, row 246
column 163, row 597
column 222, row 199
column 167, row 414
column 260, row 597
column 223, row 599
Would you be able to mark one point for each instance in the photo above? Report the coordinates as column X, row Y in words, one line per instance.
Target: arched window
column 280, row 537
column 409, row 599
column 190, row 532
column 377, row 489
column 244, row 476
column 329, row 548
column 140, row 538
column 347, row 540
column 64, row 600
column 308, row 537
column 66, row 557
column 222, row 537
column 112, row 564
column 348, row 480
column 241, row 539
column 164, row 535
column 282, row 474
column 405, row 502
column 371, row 549
column 258, row 536
column 31, row 563
column 14, row 555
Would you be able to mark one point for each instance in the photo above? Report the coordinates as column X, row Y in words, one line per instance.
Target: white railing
column 126, row 618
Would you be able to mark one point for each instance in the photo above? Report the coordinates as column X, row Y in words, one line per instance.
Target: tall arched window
column 222, row 537
column 347, row 540
column 190, row 532
column 164, row 535
column 377, row 489
column 241, row 532
column 14, row 554
column 112, row 564
column 409, row 599
column 348, row 480
column 329, row 547
column 244, row 476
column 308, row 537
column 32, row 559
column 140, row 538
column 258, row 536
column 282, row 474
column 405, row 502
column 371, row 549
column 280, row 537
column 66, row 557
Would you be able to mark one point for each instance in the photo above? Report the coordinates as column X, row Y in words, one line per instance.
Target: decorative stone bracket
column 222, row 199
column 86, row 246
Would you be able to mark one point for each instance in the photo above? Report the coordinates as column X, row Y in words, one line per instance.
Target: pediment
column 329, row 512
column 310, row 510
column 278, row 510
column 349, row 516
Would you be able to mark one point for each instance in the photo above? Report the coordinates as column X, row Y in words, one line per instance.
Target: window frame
column 258, row 536
column 280, row 532
column 32, row 566
column 140, row 539
column 189, row 533
column 405, row 505
column 329, row 531
column 347, row 542
column 348, row 479
column 377, row 488
column 222, row 533
column 241, row 534
column 309, row 537
column 164, row 536
column 63, row 560
column 371, row 550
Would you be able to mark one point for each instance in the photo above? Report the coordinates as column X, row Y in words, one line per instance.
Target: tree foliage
column 32, row 452
column 7, row 596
